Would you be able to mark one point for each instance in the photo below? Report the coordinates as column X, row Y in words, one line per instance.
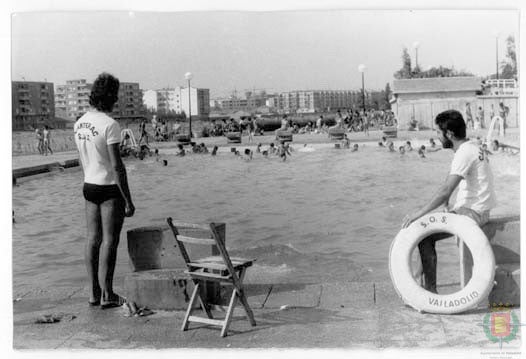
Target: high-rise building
column 32, row 104
column 175, row 100
column 72, row 100
column 129, row 105
column 314, row 100
column 149, row 98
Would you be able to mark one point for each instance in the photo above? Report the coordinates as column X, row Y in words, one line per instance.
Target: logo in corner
column 501, row 324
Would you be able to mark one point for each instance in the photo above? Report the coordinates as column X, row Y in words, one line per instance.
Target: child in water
column 214, row 150
column 272, row 149
column 181, row 150
column 401, row 150
column 390, row 146
column 346, row 143
column 354, row 147
column 421, row 151
column 408, row 147
column 248, row 154
column 283, row 151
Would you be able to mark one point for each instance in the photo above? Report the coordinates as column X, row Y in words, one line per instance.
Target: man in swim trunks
column 106, row 191
column 471, row 173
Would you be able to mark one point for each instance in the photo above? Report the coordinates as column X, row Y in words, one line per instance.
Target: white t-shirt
column 475, row 190
column 94, row 131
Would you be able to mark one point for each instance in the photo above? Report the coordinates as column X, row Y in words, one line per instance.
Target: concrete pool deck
column 352, row 315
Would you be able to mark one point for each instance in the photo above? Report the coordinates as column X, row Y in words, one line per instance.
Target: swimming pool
column 324, row 215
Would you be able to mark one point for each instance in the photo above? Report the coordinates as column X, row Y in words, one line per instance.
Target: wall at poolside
column 423, row 107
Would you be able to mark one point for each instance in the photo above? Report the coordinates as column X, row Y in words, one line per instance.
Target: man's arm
column 120, row 177
column 441, row 197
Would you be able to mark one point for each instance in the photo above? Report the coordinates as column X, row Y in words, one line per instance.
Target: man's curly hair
column 104, row 92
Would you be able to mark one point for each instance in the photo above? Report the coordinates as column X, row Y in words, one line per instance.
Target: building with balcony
column 175, row 100
column 311, row 101
column 72, row 100
column 32, row 104
column 129, row 106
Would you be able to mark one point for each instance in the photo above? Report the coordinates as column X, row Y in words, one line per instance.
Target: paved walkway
column 357, row 315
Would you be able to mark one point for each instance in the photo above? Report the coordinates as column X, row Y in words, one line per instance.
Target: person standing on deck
column 40, row 140
column 47, row 140
column 105, row 190
column 471, row 173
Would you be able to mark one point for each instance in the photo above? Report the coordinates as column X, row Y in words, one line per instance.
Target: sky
column 276, row 51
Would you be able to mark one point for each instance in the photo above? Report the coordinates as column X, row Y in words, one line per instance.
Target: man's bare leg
column 112, row 215
column 91, row 253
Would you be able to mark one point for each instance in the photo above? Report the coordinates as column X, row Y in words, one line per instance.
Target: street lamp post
column 497, row 54
column 361, row 68
column 416, row 45
column 188, row 76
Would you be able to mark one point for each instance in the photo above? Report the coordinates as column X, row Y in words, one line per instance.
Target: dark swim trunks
column 100, row 193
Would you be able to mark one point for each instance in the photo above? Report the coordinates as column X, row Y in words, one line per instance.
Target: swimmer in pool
column 401, row 150
column 265, row 153
column 283, row 151
column 248, row 154
column 272, row 149
column 408, row 146
column 496, row 146
column 181, row 151
column 421, row 151
column 390, row 146
column 258, row 148
column 346, row 143
column 355, row 147
column 214, row 151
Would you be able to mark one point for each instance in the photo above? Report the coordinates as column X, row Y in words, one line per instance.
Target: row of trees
column 507, row 67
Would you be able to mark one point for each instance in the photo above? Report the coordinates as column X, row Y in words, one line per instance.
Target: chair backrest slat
column 195, row 240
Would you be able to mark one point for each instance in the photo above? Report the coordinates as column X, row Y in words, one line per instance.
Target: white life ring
column 422, row 300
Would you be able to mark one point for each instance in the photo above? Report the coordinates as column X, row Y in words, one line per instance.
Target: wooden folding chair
column 222, row 269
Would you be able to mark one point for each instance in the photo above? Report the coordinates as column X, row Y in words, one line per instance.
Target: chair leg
column 190, row 306
column 230, row 311
column 243, row 299
column 205, row 307
column 250, row 315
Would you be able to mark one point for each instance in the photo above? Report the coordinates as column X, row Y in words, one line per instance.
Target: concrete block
column 507, row 289
column 155, row 247
column 168, row 289
column 504, row 236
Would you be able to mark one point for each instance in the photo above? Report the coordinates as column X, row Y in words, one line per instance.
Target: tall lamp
column 361, row 68
column 188, row 76
column 416, row 45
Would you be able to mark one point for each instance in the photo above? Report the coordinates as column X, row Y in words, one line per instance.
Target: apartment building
column 149, row 99
column 175, row 100
column 314, row 100
column 32, row 104
column 72, row 100
column 199, row 102
column 130, row 104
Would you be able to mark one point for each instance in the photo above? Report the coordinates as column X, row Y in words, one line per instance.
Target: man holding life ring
column 471, row 173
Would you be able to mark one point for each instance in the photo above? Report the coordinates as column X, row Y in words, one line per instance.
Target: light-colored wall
column 424, row 107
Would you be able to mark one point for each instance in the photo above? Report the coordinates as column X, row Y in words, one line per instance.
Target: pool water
column 325, row 215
